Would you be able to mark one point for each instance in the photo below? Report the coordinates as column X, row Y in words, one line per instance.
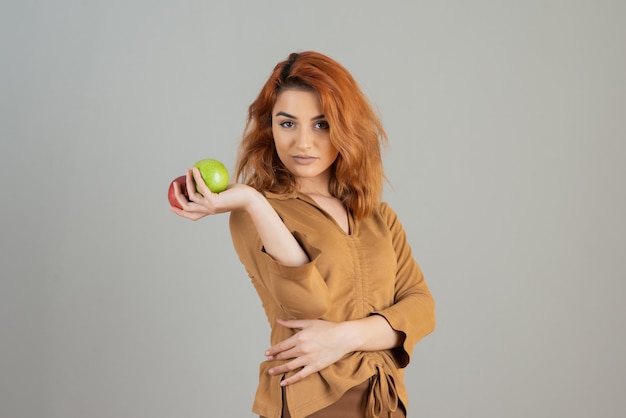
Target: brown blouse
column 369, row 271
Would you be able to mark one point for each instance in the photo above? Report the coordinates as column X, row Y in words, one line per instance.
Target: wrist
column 372, row 333
column 352, row 334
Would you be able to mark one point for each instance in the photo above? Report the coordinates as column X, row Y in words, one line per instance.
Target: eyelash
column 319, row 125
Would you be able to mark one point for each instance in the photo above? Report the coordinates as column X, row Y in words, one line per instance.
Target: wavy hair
column 354, row 129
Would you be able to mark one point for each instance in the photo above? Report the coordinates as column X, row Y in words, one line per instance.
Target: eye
column 322, row 125
column 286, row 124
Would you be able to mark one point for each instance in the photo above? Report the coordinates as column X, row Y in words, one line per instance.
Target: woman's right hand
column 199, row 205
column 277, row 241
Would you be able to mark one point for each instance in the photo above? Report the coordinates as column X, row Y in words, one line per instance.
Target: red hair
column 355, row 130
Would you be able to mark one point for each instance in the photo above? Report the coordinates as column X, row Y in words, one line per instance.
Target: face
column 301, row 137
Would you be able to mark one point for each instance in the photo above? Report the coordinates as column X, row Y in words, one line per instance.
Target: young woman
column 345, row 299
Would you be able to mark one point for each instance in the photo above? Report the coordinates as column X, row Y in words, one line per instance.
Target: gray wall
column 506, row 122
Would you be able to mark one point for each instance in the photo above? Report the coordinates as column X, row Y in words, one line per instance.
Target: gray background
column 506, row 122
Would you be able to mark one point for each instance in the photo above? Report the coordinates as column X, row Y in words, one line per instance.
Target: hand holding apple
column 214, row 174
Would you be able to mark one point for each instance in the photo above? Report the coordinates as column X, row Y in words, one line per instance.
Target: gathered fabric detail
column 371, row 271
column 382, row 395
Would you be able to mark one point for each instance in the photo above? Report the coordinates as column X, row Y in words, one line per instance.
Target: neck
column 315, row 186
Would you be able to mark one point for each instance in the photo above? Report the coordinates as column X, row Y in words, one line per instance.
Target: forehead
column 298, row 102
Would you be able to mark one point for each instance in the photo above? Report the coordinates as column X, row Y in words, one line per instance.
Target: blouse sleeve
column 413, row 312
column 300, row 291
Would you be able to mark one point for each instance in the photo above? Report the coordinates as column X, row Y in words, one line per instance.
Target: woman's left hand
column 316, row 345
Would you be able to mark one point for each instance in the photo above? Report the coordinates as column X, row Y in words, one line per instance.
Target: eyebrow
column 287, row 115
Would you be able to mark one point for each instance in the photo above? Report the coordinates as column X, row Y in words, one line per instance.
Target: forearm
column 372, row 333
column 278, row 242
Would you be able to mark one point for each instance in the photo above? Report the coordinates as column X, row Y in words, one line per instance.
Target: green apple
column 214, row 174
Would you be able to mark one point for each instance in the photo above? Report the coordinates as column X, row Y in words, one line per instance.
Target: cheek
column 279, row 144
column 332, row 152
column 334, row 156
column 277, row 139
column 281, row 149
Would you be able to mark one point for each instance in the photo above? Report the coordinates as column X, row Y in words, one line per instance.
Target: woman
column 330, row 262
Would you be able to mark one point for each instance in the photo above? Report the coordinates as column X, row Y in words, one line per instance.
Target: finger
column 286, row 354
column 191, row 186
column 293, row 323
column 295, row 364
column 193, row 216
column 180, row 196
column 297, row 377
column 186, row 204
column 280, row 350
column 204, row 189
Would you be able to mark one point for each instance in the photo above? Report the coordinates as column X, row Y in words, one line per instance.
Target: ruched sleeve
column 413, row 312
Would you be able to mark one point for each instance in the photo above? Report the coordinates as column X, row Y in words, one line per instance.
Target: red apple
column 182, row 183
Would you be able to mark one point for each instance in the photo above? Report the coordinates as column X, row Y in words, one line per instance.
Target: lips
column 304, row 159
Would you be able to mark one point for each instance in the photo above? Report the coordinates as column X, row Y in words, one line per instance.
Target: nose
column 303, row 139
